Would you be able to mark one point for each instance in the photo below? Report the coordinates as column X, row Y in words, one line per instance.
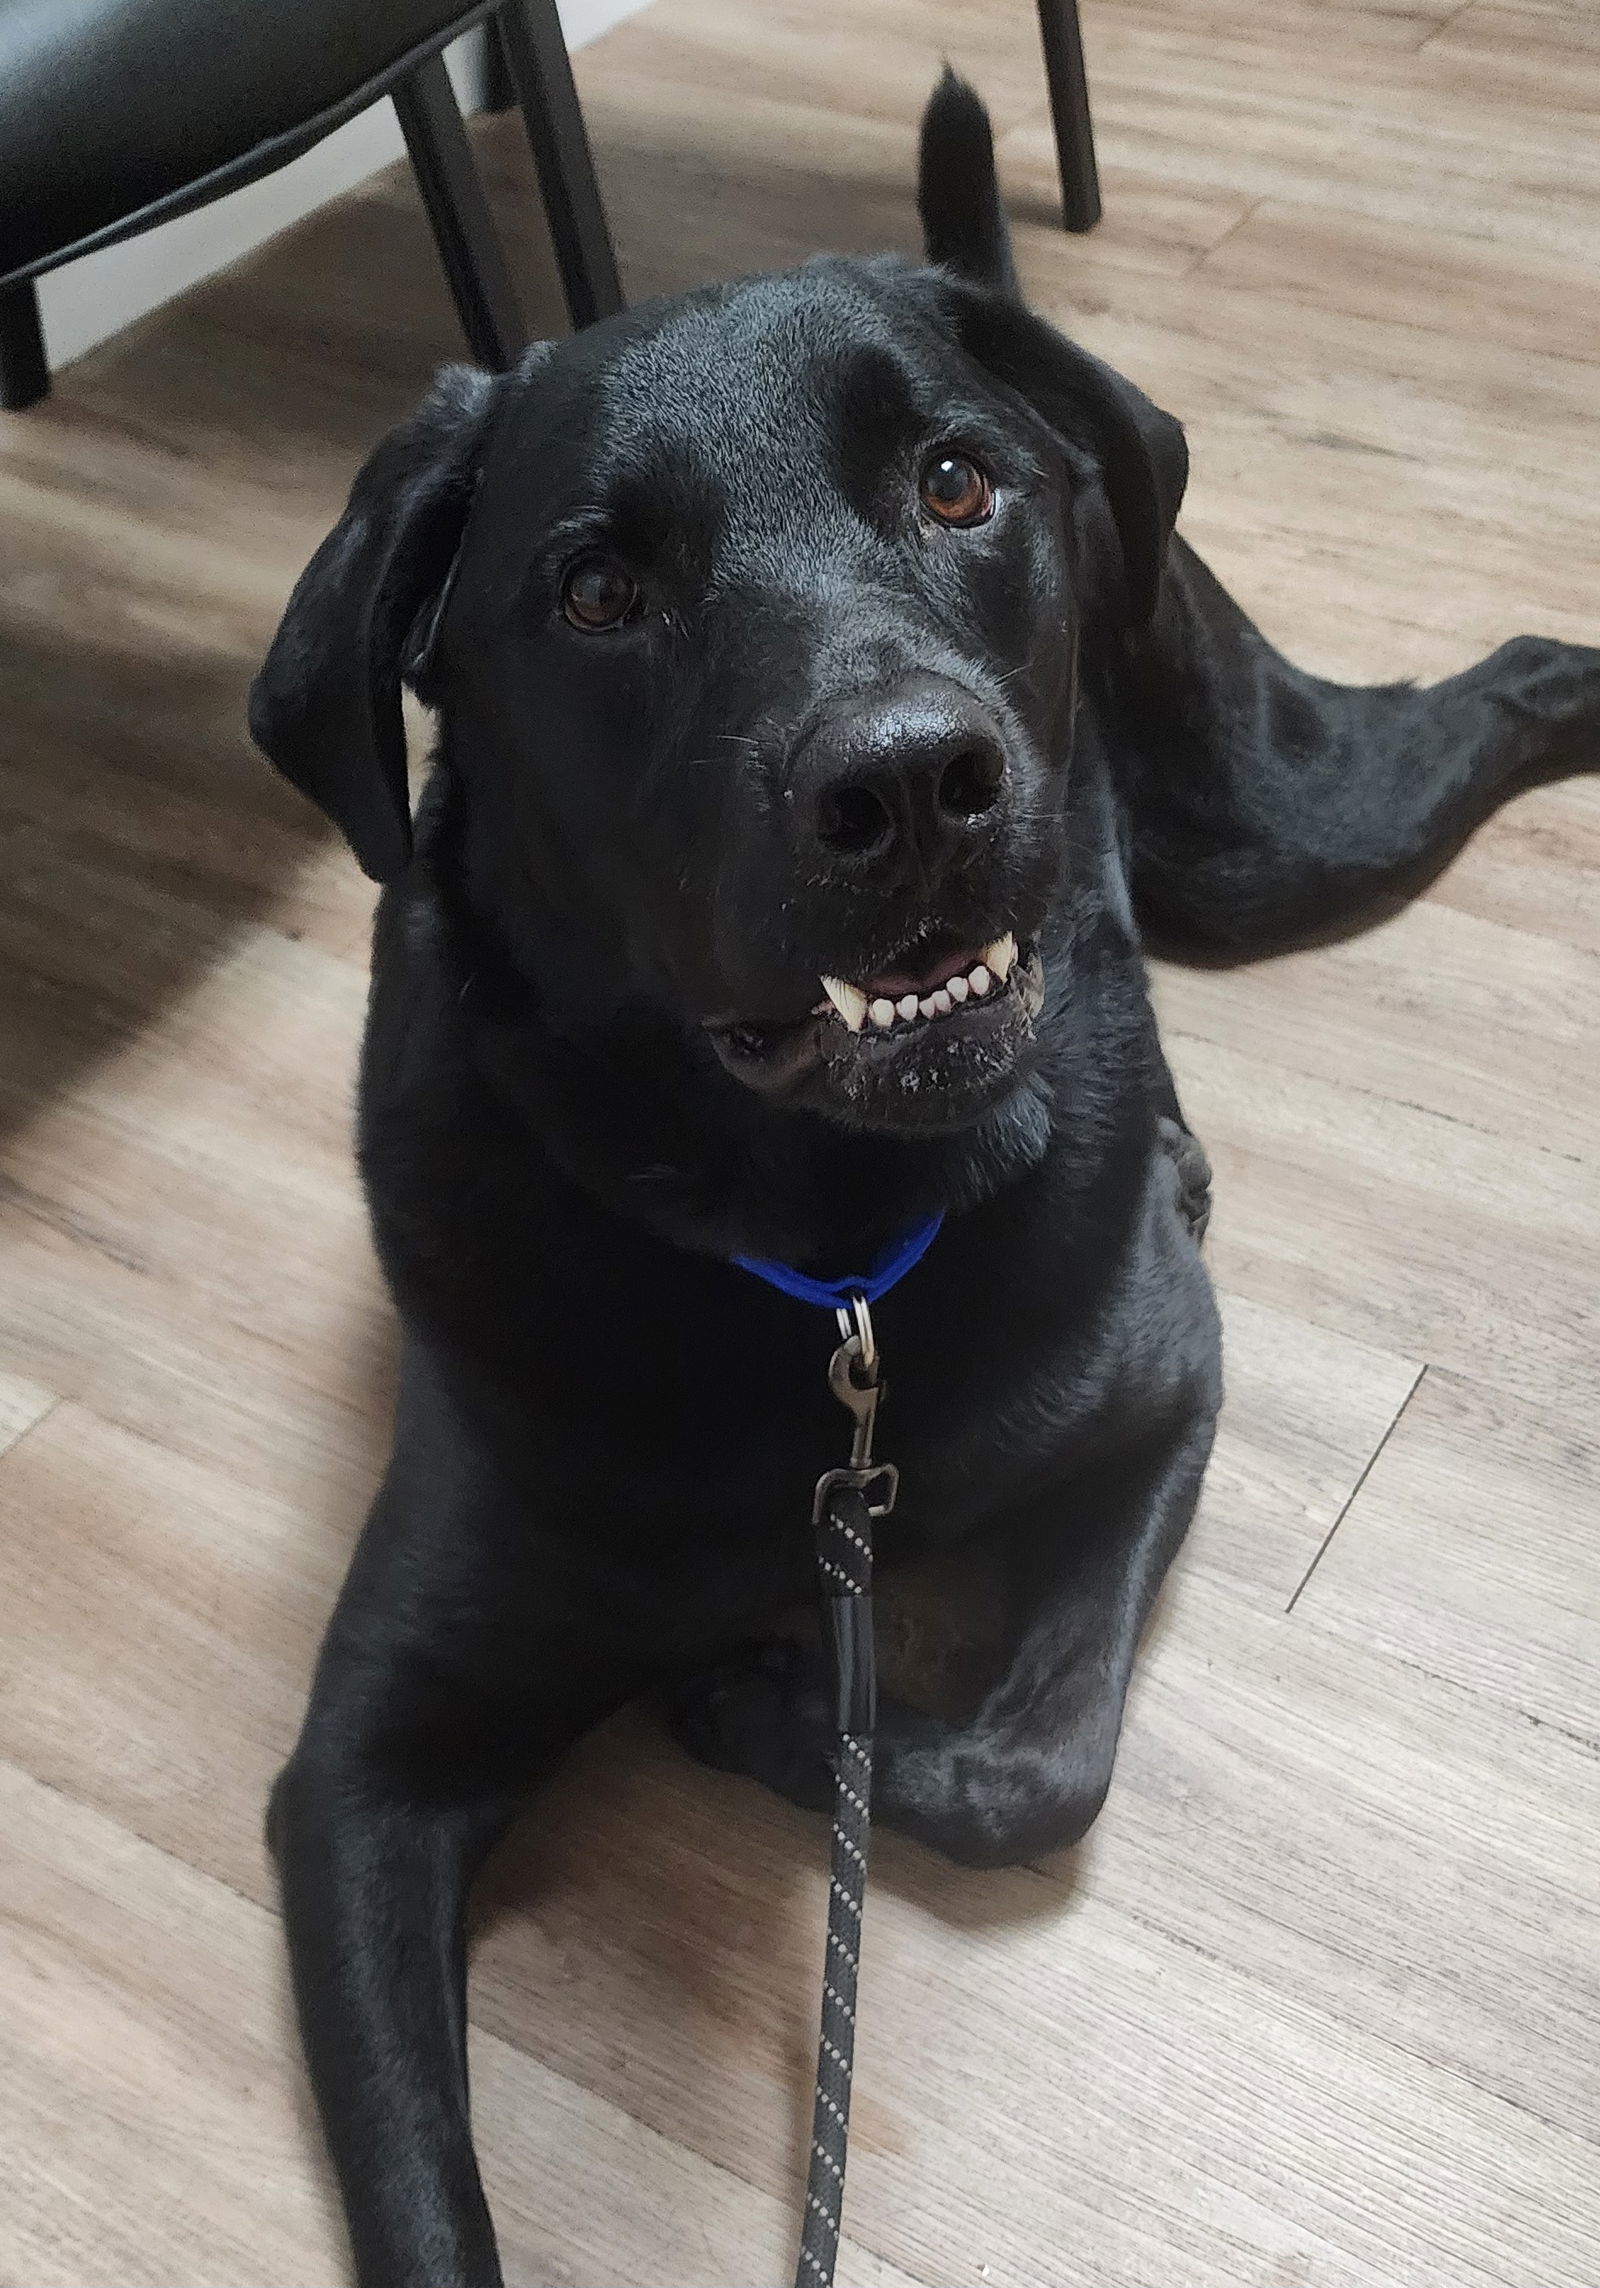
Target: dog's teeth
column 941, row 1004
column 928, row 1005
column 849, row 1000
column 979, row 980
column 1001, row 955
column 882, row 1014
column 956, row 987
column 907, row 1005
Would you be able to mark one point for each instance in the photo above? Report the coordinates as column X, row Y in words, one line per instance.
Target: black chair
column 1069, row 109
column 118, row 114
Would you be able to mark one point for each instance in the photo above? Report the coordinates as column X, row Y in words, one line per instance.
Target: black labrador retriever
column 824, row 703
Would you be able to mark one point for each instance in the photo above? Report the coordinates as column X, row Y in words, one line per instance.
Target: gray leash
column 846, row 1503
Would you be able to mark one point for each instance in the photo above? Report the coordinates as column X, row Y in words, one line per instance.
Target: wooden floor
column 1317, row 2003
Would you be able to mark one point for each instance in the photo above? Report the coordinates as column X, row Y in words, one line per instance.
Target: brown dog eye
column 956, row 490
column 597, row 594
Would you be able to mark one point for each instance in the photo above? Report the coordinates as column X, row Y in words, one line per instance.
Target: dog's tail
column 958, row 195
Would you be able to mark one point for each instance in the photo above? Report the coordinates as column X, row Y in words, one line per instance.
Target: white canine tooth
column 907, row 1005
column 941, row 1004
column 1001, row 955
column 849, row 1000
column 928, row 1004
column 956, row 987
column 979, row 980
column 882, row 1014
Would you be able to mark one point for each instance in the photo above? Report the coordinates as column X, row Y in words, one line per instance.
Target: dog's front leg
column 374, row 1874
column 1026, row 1774
column 469, row 1650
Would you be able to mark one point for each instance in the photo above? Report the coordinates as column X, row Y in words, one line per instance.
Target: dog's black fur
column 592, row 1071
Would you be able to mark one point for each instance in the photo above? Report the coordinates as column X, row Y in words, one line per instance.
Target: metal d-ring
column 855, row 1318
column 854, row 1377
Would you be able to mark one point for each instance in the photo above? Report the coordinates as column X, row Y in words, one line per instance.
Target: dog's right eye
column 956, row 490
column 597, row 594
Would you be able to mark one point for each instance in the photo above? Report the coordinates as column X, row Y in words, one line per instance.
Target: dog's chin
column 924, row 1078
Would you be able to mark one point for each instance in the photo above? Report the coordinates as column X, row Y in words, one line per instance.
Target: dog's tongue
column 891, row 983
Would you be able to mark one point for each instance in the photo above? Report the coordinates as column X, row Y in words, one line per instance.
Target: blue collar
column 900, row 1256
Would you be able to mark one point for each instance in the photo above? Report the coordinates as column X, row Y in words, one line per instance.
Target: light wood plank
column 1397, row 1226
column 1304, row 1414
column 157, row 2127
column 1540, row 868
column 1384, row 1842
column 1317, row 2005
column 1288, row 1810
column 1392, row 24
column 1527, row 41
column 1470, row 1551
column 152, row 2107
column 1371, row 129
column 1423, row 1009
column 1438, row 278
column 22, row 1404
column 1131, row 2024
column 163, row 1618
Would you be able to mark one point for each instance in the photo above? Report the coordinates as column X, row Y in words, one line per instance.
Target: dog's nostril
column 971, row 784
column 852, row 819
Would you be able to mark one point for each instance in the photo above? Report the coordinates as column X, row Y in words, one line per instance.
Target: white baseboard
column 93, row 298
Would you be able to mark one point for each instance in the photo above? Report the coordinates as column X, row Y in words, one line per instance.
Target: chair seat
column 110, row 107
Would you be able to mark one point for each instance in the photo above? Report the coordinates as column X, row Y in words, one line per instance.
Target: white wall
column 98, row 295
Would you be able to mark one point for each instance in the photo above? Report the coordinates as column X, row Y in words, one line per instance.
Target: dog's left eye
column 956, row 490
column 597, row 594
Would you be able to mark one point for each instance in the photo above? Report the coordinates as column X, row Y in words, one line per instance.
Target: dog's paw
column 1193, row 1172
column 760, row 1712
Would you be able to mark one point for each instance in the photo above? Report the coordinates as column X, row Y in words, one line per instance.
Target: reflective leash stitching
column 844, row 1566
column 845, row 1504
column 843, row 1509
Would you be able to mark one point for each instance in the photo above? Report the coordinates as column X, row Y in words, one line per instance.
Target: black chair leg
column 1069, row 107
column 541, row 71
column 24, row 375
column 499, row 94
column 474, row 263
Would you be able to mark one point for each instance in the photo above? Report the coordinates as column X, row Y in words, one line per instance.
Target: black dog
column 821, row 691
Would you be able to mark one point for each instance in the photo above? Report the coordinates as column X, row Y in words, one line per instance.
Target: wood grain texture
column 1352, row 1208
column 1470, row 1551
column 22, row 1404
column 152, row 2135
column 1418, row 1009
column 1316, row 2006
column 1306, row 1410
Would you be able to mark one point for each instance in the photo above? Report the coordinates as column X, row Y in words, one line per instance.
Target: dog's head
column 753, row 619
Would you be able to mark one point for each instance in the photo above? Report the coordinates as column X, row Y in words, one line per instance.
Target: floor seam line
column 1349, row 1500
column 1201, row 259
column 15, row 1445
column 1444, row 25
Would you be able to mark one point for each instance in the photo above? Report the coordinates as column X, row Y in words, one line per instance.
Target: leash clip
column 856, row 1379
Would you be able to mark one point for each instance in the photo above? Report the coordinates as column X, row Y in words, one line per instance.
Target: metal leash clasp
column 856, row 1379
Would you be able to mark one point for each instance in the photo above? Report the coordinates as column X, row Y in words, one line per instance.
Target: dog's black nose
column 907, row 780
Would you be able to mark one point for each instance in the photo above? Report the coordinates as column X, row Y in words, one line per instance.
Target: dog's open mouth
column 937, row 1020
column 900, row 997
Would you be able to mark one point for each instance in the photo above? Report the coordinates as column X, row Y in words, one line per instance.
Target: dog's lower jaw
column 943, row 1089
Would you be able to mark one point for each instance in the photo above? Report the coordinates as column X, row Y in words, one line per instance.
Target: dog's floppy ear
column 958, row 194
column 326, row 706
column 1139, row 451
